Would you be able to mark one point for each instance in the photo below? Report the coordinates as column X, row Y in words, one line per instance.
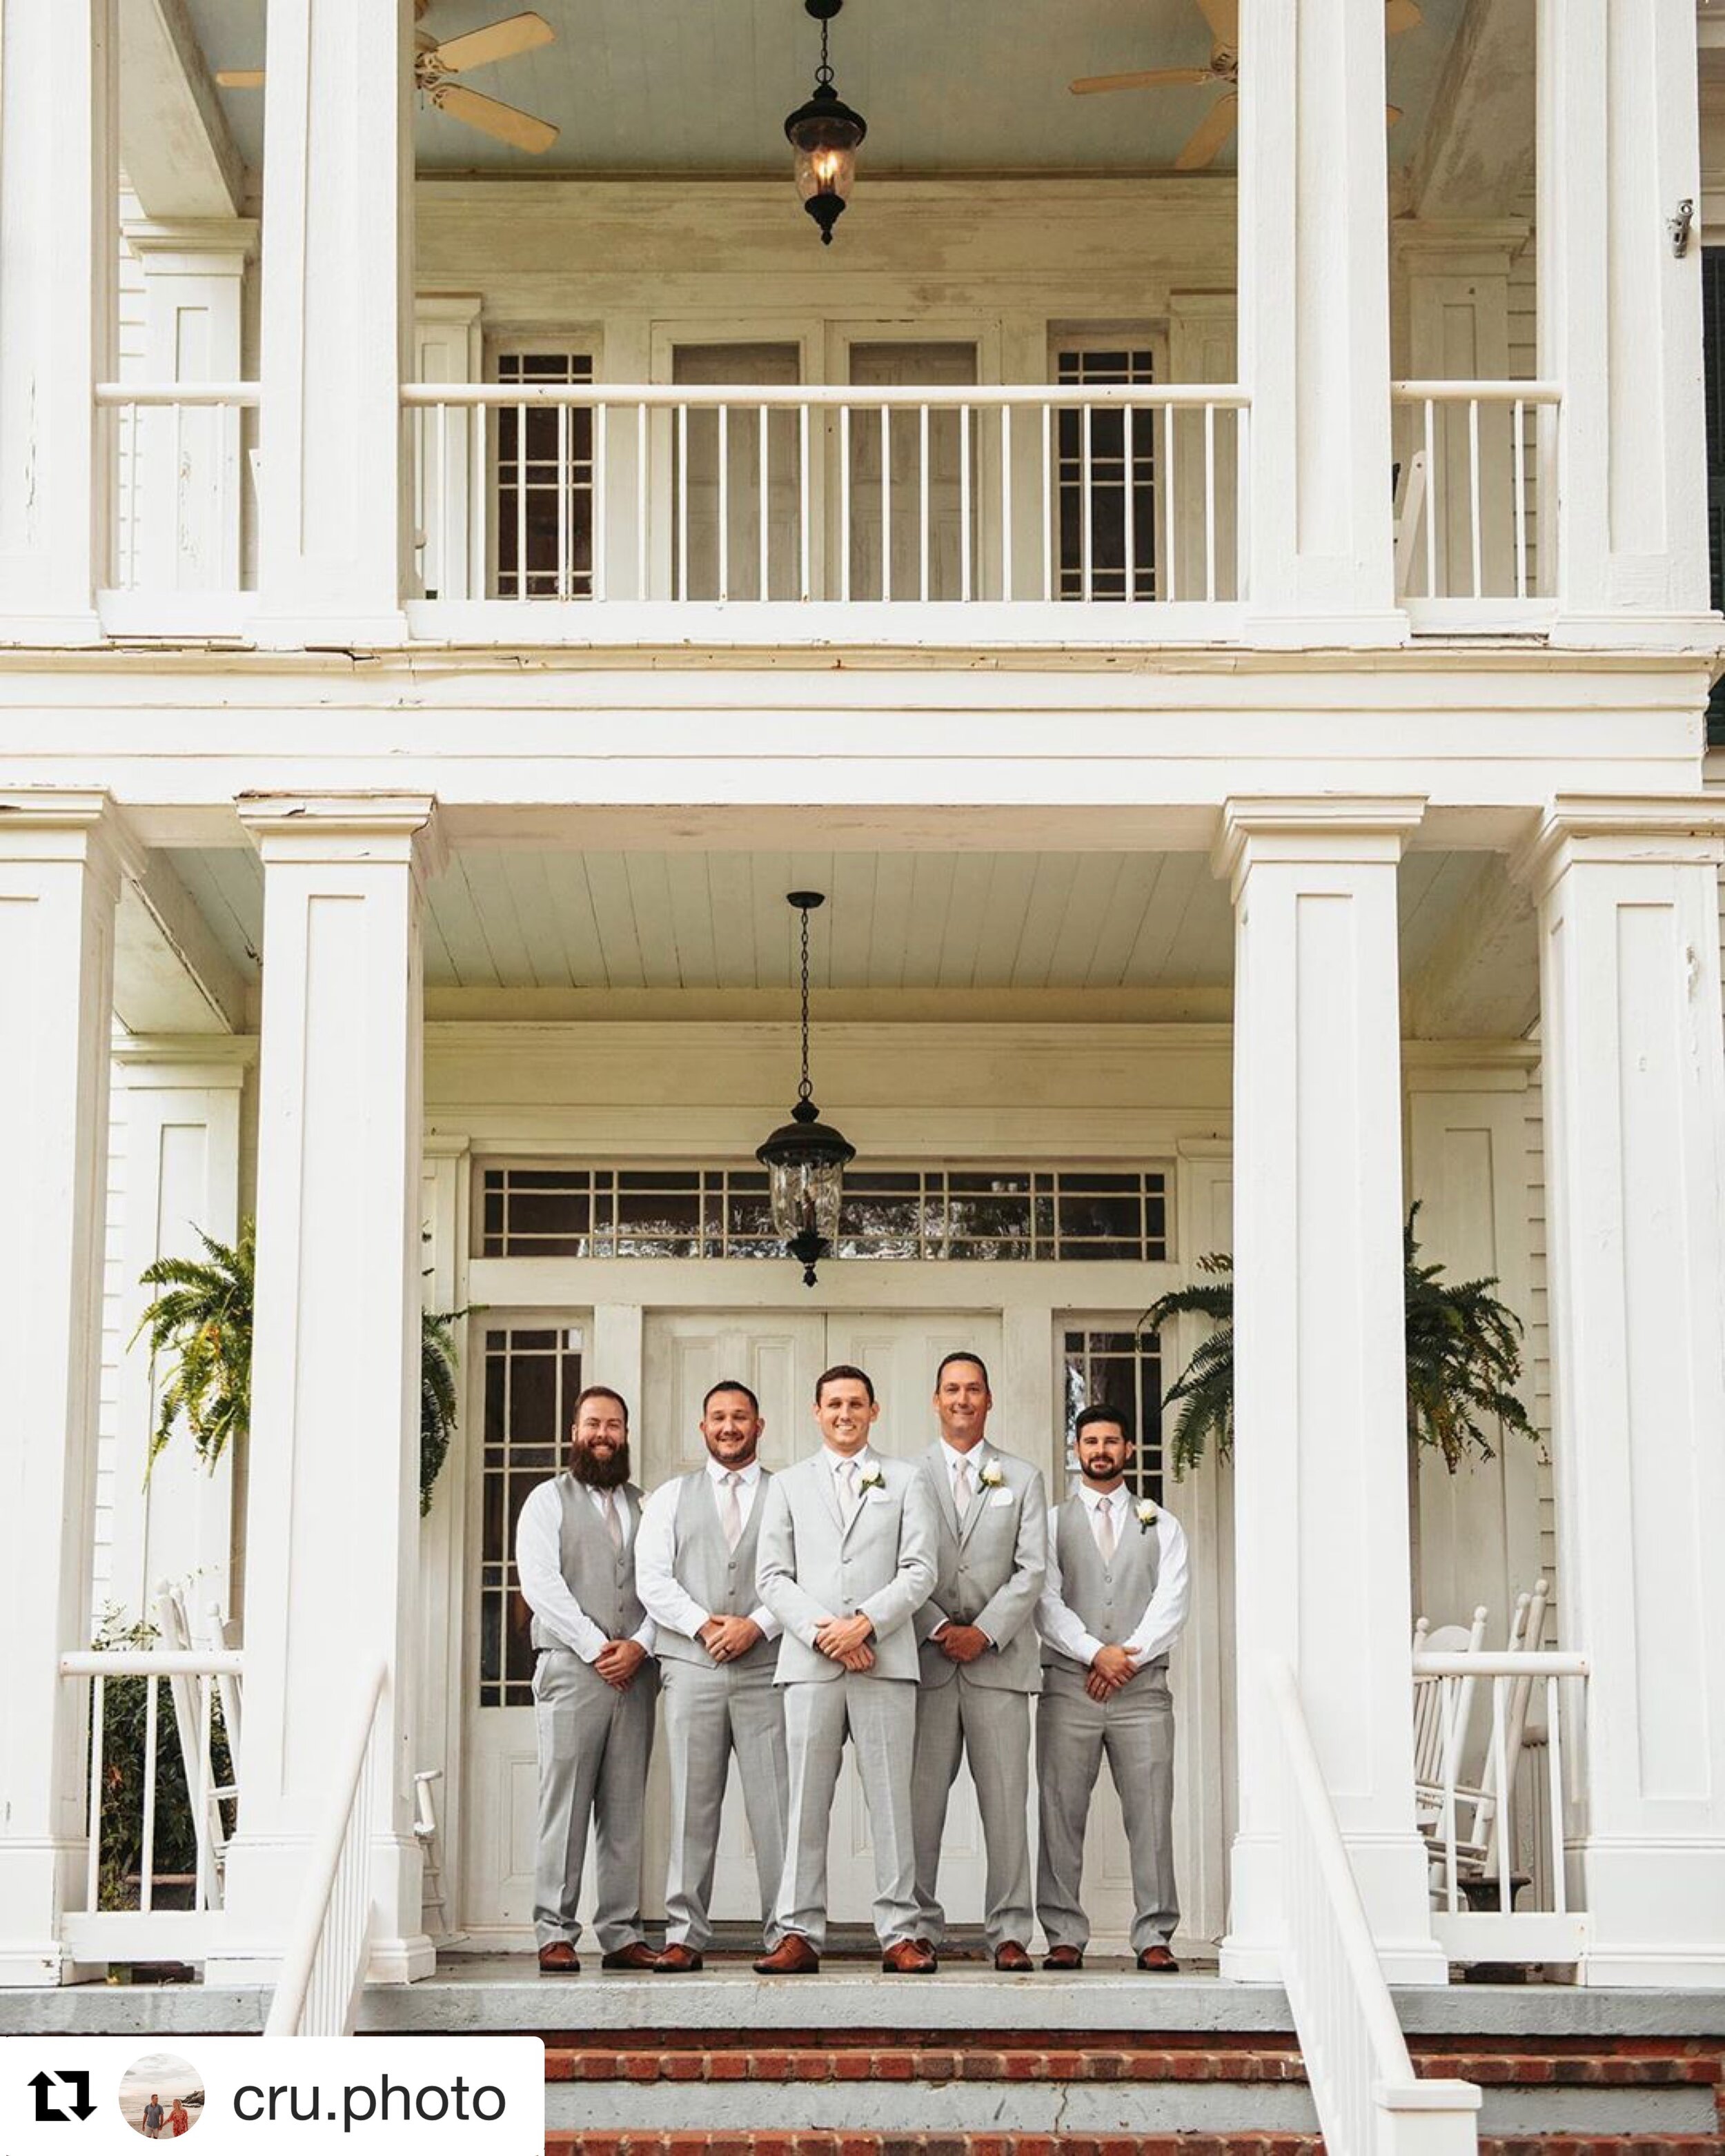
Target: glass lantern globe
column 805, row 1161
column 824, row 134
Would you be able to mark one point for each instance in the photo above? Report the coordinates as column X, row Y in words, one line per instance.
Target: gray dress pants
column 879, row 1715
column 594, row 1744
column 709, row 1713
column 1135, row 1729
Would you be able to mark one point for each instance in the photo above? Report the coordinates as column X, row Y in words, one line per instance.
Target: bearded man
column 594, row 1688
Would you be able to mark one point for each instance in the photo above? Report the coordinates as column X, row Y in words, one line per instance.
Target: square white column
column 1635, row 1135
column 1320, row 1447
column 59, row 206
column 335, row 521
column 60, row 865
column 333, row 1500
column 1314, row 323
column 1625, row 550
column 179, row 1106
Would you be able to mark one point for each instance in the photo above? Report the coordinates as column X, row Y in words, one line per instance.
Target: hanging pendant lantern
column 805, row 1158
column 825, row 134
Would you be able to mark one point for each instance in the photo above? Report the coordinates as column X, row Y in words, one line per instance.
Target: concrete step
column 765, row 2143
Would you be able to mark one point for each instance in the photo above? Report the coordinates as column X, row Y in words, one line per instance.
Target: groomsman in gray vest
column 846, row 1560
column 718, row 1650
column 981, row 1658
column 1114, row 1602
column 594, row 1688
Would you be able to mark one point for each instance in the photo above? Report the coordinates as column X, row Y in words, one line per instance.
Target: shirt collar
column 838, row 1461
column 750, row 1474
column 1115, row 1497
column 976, row 1457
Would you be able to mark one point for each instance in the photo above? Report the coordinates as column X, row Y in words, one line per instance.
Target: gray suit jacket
column 810, row 1567
column 989, row 1568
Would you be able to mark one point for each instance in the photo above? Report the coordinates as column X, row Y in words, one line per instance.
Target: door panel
column 900, row 434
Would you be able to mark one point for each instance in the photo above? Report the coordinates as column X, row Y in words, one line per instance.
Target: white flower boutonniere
column 873, row 1477
column 993, row 1476
column 1147, row 1515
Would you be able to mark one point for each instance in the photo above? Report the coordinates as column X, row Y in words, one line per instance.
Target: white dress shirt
column 952, row 1459
column 1164, row 1617
column 539, row 1565
column 667, row 1600
column 863, row 1461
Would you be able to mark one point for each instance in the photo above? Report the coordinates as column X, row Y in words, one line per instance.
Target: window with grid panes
column 532, row 1375
column 1120, row 1369
column 544, row 484
column 1106, row 529
column 982, row 1213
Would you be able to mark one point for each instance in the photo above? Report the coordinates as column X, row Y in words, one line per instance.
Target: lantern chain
column 804, row 1090
column 823, row 75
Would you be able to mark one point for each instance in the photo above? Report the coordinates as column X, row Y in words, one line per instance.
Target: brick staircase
column 856, row 2091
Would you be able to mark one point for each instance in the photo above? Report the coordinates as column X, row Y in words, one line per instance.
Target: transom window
column 985, row 1213
column 532, row 1376
column 1123, row 1368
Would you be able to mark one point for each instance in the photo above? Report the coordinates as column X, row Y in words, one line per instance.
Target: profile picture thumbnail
column 161, row 2095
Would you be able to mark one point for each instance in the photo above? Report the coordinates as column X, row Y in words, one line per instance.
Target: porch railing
column 325, row 1966
column 626, row 495
column 146, row 1932
column 1493, row 1849
column 1471, row 457
column 1369, row 2101
column 182, row 454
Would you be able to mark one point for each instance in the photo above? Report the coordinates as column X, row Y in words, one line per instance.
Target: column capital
column 1644, row 829
column 55, row 823
column 201, row 246
column 346, row 828
column 199, row 1062
column 1359, row 828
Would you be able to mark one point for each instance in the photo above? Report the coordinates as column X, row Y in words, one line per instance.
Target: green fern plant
column 201, row 1326
column 1463, row 1362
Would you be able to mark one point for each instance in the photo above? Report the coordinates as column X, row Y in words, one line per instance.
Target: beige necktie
column 852, row 1497
column 961, row 1488
column 731, row 1512
column 614, row 1524
column 1105, row 1531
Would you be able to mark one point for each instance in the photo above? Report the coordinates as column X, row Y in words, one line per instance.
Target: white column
column 192, row 483
column 180, row 1101
column 1620, row 320
column 1314, row 322
column 60, row 859
column 1321, row 1462
column 1635, row 1106
column 333, row 1500
column 58, row 197
column 333, row 506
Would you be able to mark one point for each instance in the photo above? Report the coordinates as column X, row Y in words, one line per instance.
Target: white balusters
column 1474, row 549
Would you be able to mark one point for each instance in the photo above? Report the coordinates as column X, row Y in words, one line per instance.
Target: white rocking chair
column 174, row 1623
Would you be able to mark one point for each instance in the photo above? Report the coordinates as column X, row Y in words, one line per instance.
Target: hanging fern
column 1463, row 1362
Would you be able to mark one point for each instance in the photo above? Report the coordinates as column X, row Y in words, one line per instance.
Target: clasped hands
column 618, row 1660
column 845, row 1640
column 1111, row 1668
column 727, row 1638
column 962, row 1642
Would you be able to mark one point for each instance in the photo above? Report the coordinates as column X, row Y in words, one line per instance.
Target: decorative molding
column 1632, row 830
column 1313, row 828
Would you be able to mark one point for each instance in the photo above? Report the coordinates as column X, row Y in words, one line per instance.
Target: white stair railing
column 1369, row 2101
column 324, row 1966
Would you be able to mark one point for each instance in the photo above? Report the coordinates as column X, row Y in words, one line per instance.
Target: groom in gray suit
column 981, row 1659
column 846, row 1560
column 718, row 1649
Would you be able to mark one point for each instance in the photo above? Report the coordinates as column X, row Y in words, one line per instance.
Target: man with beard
column 980, row 1657
column 718, row 1650
column 593, row 1686
column 846, row 1560
column 1113, row 1602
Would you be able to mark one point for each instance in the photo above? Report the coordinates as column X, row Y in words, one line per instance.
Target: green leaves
column 1464, row 1363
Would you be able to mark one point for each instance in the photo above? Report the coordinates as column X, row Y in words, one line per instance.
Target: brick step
column 1155, row 2145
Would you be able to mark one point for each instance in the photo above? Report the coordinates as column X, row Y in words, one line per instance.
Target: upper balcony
column 1216, row 358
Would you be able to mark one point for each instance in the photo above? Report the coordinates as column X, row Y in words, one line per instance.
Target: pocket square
column 1001, row 1497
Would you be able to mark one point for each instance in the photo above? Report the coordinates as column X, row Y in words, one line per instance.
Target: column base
column 1390, row 1872
column 38, row 1881
column 1628, row 631
column 49, row 630
column 1655, row 1914
column 1327, row 632
column 325, row 632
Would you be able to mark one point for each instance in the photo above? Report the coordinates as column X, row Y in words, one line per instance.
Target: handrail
column 324, row 1967
column 1361, row 2079
column 1477, row 393
column 1537, row 1662
column 142, row 1662
column 249, row 394
column 793, row 396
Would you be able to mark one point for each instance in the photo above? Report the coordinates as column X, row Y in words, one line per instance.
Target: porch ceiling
column 703, row 86
column 501, row 919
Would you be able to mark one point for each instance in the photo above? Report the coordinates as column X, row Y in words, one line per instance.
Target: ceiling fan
column 436, row 61
column 1218, row 124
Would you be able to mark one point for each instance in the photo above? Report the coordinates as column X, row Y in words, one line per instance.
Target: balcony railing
column 1471, row 457
column 182, row 454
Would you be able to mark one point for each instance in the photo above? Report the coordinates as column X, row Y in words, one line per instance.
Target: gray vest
column 721, row 1580
column 601, row 1579
column 1109, row 1599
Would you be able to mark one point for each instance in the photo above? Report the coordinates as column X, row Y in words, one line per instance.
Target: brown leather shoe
column 909, row 1958
column 1012, row 1958
column 679, row 1960
column 1158, row 1960
column 1064, row 1958
column 637, row 1955
column 558, row 1959
column 793, row 1956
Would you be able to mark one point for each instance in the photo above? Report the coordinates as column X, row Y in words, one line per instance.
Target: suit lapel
column 828, row 1489
column 979, row 1496
column 936, row 1469
column 862, row 1505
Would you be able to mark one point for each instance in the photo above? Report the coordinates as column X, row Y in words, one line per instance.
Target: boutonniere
column 873, row 1477
column 1147, row 1515
column 993, row 1476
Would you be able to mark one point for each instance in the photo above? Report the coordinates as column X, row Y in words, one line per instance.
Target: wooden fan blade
column 491, row 116
column 1223, row 17
column 1212, row 130
column 1399, row 15
column 497, row 41
column 1148, row 78
column 240, row 78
